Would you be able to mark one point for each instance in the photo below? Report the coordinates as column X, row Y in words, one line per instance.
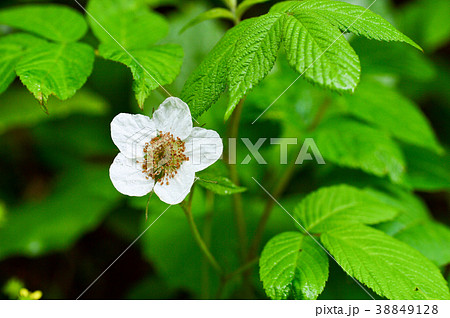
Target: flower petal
column 130, row 133
column 178, row 187
column 127, row 177
column 174, row 116
column 203, row 147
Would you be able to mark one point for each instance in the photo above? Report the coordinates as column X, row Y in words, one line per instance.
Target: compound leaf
column 347, row 17
column 391, row 268
column 253, row 56
column 293, row 266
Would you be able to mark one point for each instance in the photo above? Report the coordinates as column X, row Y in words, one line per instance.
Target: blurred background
column 62, row 222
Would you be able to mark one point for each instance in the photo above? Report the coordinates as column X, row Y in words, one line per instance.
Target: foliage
column 373, row 218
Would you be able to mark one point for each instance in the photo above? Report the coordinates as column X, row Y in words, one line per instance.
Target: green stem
column 233, row 132
column 198, row 238
column 207, row 227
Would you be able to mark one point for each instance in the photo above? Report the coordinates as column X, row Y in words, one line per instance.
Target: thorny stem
column 187, row 208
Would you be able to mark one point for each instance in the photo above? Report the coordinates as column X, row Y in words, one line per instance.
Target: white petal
column 178, row 187
column 127, row 177
column 130, row 132
column 203, row 147
column 174, row 116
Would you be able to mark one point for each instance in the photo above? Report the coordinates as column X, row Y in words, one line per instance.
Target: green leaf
column 215, row 178
column 352, row 144
column 390, row 111
column 341, row 205
column 317, row 49
column 245, row 5
column 54, row 22
column 12, row 47
column 205, row 85
column 2, row 214
column 218, row 184
column 356, row 19
column 214, row 13
column 55, row 69
column 28, row 115
column 430, row 238
column 129, row 22
column 253, row 56
column 159, row 64
column 429, row 23
column 82, row 199
column 427, row 171
column 293, row 266
column 390, row 267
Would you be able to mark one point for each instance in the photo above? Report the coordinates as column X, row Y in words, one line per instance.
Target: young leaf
column 390, row 267
column 218, row 184
column 205, row 85
column 55, row 69
column 352, row 144
column 341, row 205
column 387, row 109
column 130, row 23
column 161, row 63
column 357, row 19
column 54, row 22
column 293, row 266
column 214, row 13
column 318, row 49
column 253, row 56
column 245, row 5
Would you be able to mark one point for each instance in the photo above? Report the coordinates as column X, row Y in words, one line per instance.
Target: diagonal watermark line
column 117, row 258
column 315, row 240
column 132, row 243
column 125, row 50
column 276, row 99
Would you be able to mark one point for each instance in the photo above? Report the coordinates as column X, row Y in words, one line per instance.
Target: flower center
column 163, row 156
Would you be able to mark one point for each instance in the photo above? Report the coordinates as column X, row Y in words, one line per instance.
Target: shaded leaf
column 214, row 13
column 28, row 114
column 352, row 144
column 390, row 111
column 293, row 266
column 245, row 5
column 81, row 200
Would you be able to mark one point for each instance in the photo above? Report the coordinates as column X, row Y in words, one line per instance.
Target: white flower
column 161, row 154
